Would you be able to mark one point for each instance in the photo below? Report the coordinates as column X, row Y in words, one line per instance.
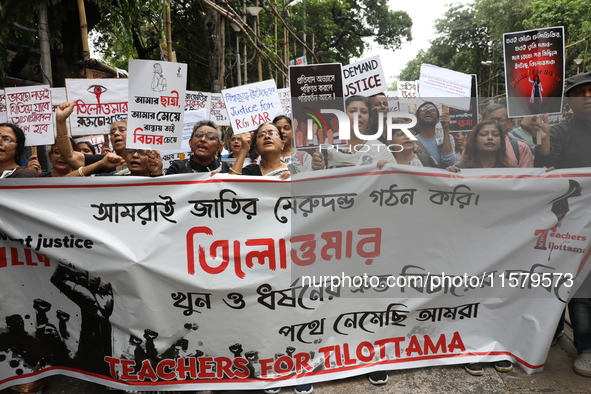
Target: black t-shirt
column 188, row 166
column 90, row 159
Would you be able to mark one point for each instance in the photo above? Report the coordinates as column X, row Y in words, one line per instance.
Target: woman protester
column 485, row 148
column 12, row 148
column 268, row 142
column 405, row 153
column 59, row 167
column 290, row 154
column 359, row 151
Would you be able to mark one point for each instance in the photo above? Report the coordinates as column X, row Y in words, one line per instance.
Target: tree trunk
column 215, row 35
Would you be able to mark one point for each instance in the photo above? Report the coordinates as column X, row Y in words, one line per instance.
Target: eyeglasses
column 236, row 139
column 270, row 133
column 425, row 109
column 55, row 153
column 499, row 120
column 6, row 140
column 208, row 136
column 141, row 152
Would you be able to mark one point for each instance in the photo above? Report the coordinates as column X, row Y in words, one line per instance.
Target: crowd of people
column 495, row 142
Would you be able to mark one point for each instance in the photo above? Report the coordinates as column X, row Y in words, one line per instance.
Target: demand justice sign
column 156, row 109
column 534, row 71
column 364, row 78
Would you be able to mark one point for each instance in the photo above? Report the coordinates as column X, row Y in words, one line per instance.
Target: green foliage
column 575, row 16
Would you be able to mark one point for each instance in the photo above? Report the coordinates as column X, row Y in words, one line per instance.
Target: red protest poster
column 534, row 71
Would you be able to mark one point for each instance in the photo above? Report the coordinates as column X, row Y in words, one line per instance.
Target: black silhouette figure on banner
column 560, row 204
column 95, row 300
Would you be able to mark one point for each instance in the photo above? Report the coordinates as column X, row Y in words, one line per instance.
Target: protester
column 518, row 151
column 485, row 148
column 268, row 142
column 235, row 148
column 438, row 145
column 566, row 145
column 75, row 159
column 290, row 154
column 205, row 143
column 59, row 167
column 460, row 144
column 379, row 110
column 359, row 151
column 12, row 148
column 406, row 155
column 86, row 147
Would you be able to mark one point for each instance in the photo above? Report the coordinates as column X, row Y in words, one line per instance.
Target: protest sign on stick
column 465, row 120
column 534, row 71
column 156, row 110
column 218, row 113
column 3, row 118
column 364, row 78
column 252, row 105
column 445, row 87
column 195, row 101
column 99, row 104
column 315, row 88
column 285, row 97
column 30, row 109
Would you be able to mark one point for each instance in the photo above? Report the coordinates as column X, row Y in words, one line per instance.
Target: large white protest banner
column 445, row 87
column 364, row 78
column 29, row 107
column 153, row 283
column 252, row 105
column 99, row 103
column 156, row 109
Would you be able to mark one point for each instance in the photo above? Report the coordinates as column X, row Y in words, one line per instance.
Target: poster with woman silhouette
column 534, row 71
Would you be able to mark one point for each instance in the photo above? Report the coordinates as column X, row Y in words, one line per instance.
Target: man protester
column 205, row 143
column 518, row 151
column 117, row 135
column 567, row 145
column 440, row 146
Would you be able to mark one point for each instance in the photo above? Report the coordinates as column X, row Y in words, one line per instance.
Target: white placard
column 195, row 101
column 30, row 108
column 218, row 113
column 99, row 103
column 285, row 98
column 251, row 105
column 156, row 110
column 364, row 78
column 446, row 87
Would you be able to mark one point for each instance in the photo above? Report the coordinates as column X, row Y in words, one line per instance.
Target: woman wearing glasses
column 205, row 143
column 12, row 148
column 268, row 142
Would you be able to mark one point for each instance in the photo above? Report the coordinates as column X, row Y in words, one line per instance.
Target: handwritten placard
column 446, row 87
column 30, row 108
column 252, row 105
column 218, row 113
column 3, row 117
column 364, row 77
column 195, row 101
column 99, row 103
column 156, row 109
column 285, row 97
